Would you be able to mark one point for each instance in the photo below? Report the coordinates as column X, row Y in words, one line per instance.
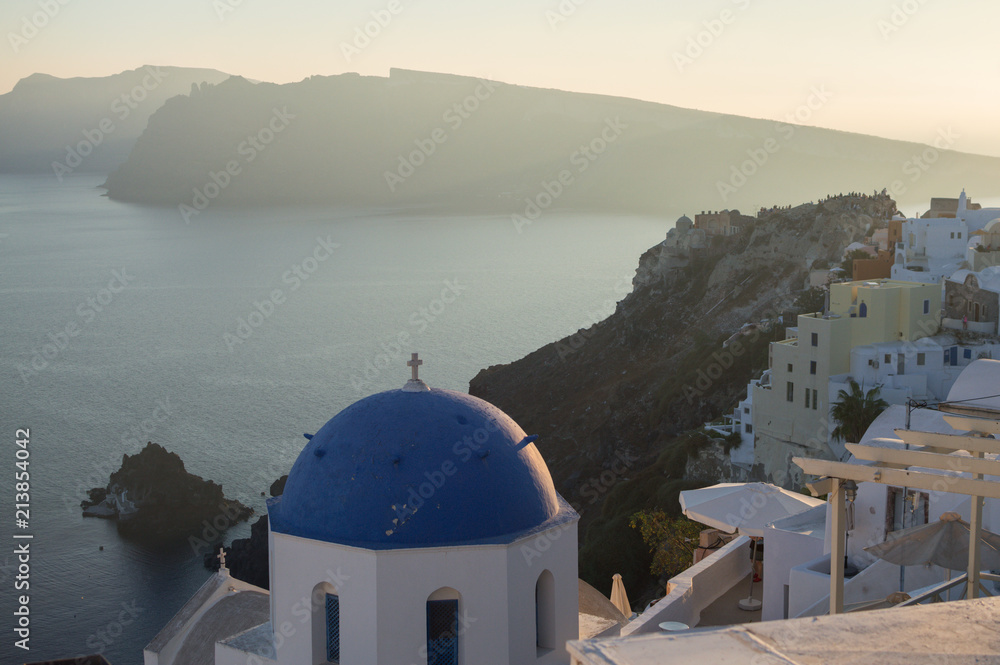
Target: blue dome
column 416, row 469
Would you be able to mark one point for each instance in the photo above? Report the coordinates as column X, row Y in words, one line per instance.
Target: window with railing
column 442, row 632
column 332, row 628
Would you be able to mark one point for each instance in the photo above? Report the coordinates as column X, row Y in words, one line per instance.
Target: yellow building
column 791, row 406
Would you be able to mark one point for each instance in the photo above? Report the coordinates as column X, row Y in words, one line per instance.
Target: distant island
column 85, row 125
column 193, row 138
column 441, row 142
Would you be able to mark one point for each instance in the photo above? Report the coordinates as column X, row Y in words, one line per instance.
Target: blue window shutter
column 332, row 628
column 442, row 632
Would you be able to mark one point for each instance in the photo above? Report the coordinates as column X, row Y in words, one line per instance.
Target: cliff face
column 609, row 402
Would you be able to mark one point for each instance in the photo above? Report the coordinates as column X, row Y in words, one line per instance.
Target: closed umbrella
column 944, row 543
column 618, row 596
column 744, row 507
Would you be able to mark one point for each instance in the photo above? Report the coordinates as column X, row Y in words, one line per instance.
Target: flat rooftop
column 943, row 633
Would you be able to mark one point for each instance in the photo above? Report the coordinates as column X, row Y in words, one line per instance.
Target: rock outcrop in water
column 154, row 498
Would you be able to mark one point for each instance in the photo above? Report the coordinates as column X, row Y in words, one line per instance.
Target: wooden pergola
column 893, row 466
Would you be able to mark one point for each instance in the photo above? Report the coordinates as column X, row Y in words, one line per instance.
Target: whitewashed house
column 932, row 248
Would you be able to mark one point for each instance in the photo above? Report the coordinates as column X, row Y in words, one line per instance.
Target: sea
column 225, row 338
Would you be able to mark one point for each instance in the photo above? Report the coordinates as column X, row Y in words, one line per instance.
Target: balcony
column 706, row 594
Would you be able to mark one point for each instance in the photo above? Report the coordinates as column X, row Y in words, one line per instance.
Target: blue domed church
column 419, row 526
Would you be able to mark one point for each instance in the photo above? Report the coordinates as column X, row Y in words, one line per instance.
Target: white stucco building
column 932, row 248
column 923, row 370
column 418, row 526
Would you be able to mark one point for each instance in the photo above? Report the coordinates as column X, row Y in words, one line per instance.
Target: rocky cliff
column 611, row 402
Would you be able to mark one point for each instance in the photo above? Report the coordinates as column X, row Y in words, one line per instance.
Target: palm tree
column 856, row 410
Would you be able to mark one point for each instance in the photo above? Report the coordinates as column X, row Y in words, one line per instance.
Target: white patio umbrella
column 744, row 507
column 618, row 596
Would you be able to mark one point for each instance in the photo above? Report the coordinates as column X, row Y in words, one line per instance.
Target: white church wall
column 495, row 586
column 554, row 550
column 299, row 565
column 407, row 578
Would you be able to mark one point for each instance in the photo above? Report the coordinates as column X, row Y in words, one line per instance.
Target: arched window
column 325, row 623
column 545, row 611
column 442, row 627
column 863, row 310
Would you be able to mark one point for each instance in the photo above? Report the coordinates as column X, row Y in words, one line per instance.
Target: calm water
column 159, row 354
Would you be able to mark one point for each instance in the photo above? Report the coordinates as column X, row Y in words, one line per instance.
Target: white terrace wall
column 696, row 588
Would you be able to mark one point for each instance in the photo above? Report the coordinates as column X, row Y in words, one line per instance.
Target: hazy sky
column 897, row 68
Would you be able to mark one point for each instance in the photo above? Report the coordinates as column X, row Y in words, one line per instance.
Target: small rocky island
column 154, row 498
